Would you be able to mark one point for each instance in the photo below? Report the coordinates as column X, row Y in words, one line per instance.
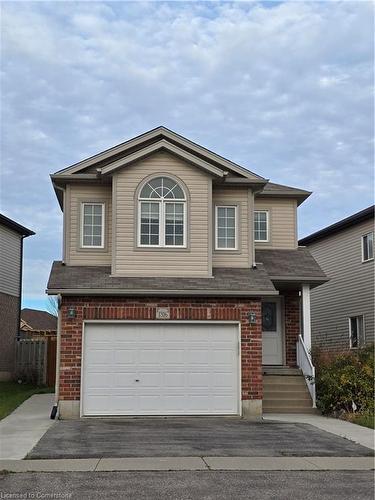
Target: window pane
column 174, row 224
column 353, row 332
column 92, row 225
column 149, row 230
column 368, row 246
column 269, row 318
column 225, row 228
column 371, row 245
column 260, row 226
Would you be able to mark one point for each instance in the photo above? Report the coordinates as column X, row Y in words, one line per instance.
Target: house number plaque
column 162, row 313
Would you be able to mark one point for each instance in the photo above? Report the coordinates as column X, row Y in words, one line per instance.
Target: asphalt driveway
column 189, row 437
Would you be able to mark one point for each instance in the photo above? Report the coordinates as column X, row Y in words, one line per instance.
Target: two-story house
column 11, row 249
column 342, row 310
column 180, row 285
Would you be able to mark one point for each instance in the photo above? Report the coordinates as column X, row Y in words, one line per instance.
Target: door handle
column 136, row 380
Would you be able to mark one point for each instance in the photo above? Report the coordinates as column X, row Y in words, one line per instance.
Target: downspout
column 58, row 346
column 20, row 290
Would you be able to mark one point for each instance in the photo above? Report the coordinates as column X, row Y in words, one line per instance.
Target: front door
column 272, row 332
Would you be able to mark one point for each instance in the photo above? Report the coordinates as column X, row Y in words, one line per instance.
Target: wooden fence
column 36, row 360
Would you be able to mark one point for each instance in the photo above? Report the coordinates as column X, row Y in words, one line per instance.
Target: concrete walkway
column 21, row 430
column 353, row 432
column 190, row 464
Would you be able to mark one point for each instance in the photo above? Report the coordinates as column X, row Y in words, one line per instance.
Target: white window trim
column 363, row 247
column 103, row 224
column 268, row 226
column 235, row 248
column 162, row 202
column 363, row 331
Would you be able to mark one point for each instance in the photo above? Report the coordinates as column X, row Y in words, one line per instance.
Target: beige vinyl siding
column 132, row 261
column 350, row 291
column 238, row 197
column 283, row 222
column 75, row 195
column 10, row 255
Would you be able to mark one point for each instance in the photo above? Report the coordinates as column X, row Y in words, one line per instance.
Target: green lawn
column 364, row 419
column 13, row 394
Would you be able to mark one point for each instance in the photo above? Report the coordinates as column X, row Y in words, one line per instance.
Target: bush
column 343, row 379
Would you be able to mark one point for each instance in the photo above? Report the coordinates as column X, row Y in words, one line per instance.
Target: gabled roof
column 107, row 157
column 38, row 320
column 356, row 218
column 14, row 226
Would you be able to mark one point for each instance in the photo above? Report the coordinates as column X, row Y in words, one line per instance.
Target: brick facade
column 292, row 326
column 107, row 308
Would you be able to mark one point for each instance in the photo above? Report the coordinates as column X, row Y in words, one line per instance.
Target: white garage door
column 160, row 369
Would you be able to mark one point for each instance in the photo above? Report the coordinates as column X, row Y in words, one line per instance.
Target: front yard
column 13, row 394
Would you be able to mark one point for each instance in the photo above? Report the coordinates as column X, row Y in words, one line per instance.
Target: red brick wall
column 292, row 326
column 113, row 308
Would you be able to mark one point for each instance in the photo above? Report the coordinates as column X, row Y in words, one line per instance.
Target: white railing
column 308, row 369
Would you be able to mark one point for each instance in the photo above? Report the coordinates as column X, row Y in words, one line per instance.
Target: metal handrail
column 304, row 362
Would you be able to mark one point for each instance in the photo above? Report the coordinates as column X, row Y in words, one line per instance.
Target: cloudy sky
column 284, row 89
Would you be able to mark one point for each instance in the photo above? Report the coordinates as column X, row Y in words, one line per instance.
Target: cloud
column 282, row 88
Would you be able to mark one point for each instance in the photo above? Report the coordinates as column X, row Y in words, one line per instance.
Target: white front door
column 272, row 332
column 160, row 369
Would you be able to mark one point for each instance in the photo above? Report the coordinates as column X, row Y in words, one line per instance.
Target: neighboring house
column 180, row 284
column 35, row 322
column 11, row 245
column 343, row 309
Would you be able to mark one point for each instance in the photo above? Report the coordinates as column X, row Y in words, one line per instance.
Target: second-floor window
column 162, row 214
column 368, row 246
column 226, row 228
column 261, row 229
column 92, row 229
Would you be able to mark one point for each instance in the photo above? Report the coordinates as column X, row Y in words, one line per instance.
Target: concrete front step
column 287, row 401
column 300, row 395
column 285, row 387
column 281, row 370
column 288, row 409
column 284, row 379
column 285, row 391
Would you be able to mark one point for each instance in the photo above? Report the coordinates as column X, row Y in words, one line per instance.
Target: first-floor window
column 356, row 331
column 226, row 232
column 368, row 246
column 92, row 233
column 261, row 225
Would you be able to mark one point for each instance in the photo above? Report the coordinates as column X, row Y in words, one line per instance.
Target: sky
column 284, row 89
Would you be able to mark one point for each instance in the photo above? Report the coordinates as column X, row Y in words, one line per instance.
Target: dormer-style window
column 92, row 225
column 162, row 214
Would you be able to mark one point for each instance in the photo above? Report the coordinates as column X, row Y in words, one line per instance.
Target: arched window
column 162, row 214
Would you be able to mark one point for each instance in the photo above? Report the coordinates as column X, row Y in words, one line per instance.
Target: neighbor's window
column 226, row 228
column 356, row 332
column 261, row 225
column 368, row 246
column 92, row 233
column 162, row 214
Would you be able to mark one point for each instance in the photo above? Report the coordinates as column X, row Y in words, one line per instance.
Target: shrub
column 343, row 379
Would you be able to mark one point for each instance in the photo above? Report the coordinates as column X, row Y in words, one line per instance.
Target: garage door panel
column 183, row 369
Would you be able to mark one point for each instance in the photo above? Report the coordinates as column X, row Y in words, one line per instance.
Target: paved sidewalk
column 190, row 464
column 353, row 432
column 21, row 430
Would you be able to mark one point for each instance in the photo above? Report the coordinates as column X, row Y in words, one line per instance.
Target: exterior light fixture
column 252, row 317
column 71, row 312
